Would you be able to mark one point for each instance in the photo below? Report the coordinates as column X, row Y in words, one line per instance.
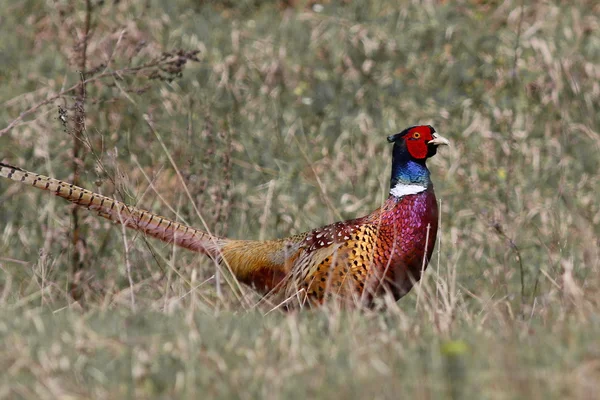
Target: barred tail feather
column 151, row 224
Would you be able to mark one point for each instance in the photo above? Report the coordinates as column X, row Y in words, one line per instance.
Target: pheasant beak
column 438, row 140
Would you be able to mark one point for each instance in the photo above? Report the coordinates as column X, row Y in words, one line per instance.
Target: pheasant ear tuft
column 393, row 138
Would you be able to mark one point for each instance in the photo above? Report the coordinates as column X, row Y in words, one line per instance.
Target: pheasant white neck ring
column 403, row 189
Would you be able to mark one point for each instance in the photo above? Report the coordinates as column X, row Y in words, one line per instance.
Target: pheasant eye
column 416, row 135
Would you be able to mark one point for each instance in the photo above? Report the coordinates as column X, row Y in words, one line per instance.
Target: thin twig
column 511, row 135
column 78, row 252
column 230, row 278
column 439, row 251
column 321, row 186
column 515, row 248
column 423, row 265
column 118, row 74
column 127, row 262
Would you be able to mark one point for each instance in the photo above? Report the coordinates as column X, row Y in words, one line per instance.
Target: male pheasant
column 352, row 261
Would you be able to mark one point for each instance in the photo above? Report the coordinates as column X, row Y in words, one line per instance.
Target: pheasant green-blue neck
column 407, row 172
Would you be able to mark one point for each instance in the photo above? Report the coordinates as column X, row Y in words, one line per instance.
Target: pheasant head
column 412, row 147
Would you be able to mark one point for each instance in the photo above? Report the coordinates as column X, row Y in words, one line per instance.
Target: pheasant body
column 351, row 261
column 360, row 258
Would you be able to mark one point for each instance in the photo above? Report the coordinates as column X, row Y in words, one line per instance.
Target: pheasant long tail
column 151, row 224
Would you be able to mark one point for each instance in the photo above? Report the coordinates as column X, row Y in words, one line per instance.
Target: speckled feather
column 358, row 259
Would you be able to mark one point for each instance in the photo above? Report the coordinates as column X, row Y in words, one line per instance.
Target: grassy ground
column 280, row 127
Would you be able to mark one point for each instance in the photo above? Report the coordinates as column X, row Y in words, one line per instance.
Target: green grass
column 280, row 127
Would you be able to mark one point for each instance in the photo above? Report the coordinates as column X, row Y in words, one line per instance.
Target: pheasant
column 351, row 261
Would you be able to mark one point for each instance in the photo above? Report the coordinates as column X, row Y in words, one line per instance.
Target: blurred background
column 263, row 119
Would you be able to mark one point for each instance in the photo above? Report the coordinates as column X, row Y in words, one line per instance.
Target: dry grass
column 280, row 127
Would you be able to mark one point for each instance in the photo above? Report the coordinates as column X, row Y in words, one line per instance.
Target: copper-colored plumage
column 350, row 261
